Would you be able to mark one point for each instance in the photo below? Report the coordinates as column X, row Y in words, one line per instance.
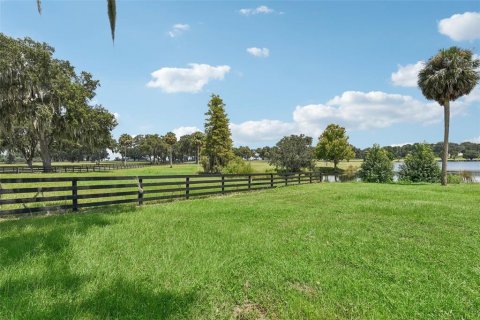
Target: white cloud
column 263, row 130
column 353, row 109
column 257, row 10
column 461, row 27
column 474, row 140
column 178, row 29
column 406, row 76
column 474, row 96
column 259, row 52
column 181, row 131
column 400, row 144
column 191, row 80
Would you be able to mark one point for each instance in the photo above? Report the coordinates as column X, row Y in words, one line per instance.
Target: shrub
column 377, row 166
column 454, row 179
column 420, row 165
column 238, row 166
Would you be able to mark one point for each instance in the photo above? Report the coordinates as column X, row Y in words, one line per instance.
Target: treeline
column 46, row 107
column 158, row 148
column 466, row 150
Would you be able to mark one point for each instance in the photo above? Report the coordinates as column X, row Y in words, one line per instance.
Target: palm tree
column 170, row 139
column 112, row 14
column 447, row 76
column 198, row 138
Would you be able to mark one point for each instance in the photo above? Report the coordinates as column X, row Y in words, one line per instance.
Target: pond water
column 455, row 166
column 452, row 165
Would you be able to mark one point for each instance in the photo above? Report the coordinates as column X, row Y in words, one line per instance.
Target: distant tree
column 170, row 138
column 154, row 147
column 333, row 145
column 244, row 152
column 293, row 153
column 420, row 165
column 264, row 152
column 218, row 141
column 198, row 139
column 377, row 166
column 447, row 76
column 471, row 154
column 124, row 143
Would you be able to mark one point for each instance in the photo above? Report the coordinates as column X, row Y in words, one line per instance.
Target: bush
column 420, row 165
column 377, row 166
column 454, row 179
column 238, row 166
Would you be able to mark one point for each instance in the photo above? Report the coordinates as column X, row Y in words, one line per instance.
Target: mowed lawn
column 321, row 251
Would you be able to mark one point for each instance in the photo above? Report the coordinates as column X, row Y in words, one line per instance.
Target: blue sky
column 281, row 67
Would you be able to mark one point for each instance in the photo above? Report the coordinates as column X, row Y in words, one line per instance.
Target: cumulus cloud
column 178, row 29
column 259, row 52
column 474, row 140
column 263, row 130
column 257, row 10
column 474, row 96
column 406, row 76
column 461, row 27
column 181, row 131
column 190, row 80
column 355, row 110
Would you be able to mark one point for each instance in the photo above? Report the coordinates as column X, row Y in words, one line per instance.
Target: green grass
column 316, row 251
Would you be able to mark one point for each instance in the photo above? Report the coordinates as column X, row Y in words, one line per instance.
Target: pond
column 453, row 166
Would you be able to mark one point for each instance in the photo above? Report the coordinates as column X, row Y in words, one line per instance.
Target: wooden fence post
column 310, row 176
column 249, row 182
column 286, row 180
column 187, row 187
column 271, row 180
column 299, row 178
column 223, row 184
column 140, row 191
column 74, row 195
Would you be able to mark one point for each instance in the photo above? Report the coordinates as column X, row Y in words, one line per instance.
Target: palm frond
column 112, row 15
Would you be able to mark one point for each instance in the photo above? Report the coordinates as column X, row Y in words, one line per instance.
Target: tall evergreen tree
column 218, row 141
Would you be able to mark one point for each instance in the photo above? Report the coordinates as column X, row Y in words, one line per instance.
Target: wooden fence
column 30, row 195
column 69, row 168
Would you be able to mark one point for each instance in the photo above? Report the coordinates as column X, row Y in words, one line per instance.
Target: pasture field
column 258, row 166
column 318, row 251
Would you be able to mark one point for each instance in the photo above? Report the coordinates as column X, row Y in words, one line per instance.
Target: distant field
column 321, row 251
column 259, row 166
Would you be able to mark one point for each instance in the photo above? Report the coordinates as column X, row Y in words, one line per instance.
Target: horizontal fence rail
column 69, row 168
column 31, row 195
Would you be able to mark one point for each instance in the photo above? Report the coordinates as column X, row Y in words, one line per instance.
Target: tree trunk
column 446, row 109
column 45, row 154
column 171, row 160
column 125, row 157
column 198, row 154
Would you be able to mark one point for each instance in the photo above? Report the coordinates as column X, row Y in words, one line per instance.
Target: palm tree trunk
column 446, row 110
column 171, row 151
column 198, row 154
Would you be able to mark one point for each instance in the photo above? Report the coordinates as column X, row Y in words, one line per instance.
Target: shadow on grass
column 38, row 281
